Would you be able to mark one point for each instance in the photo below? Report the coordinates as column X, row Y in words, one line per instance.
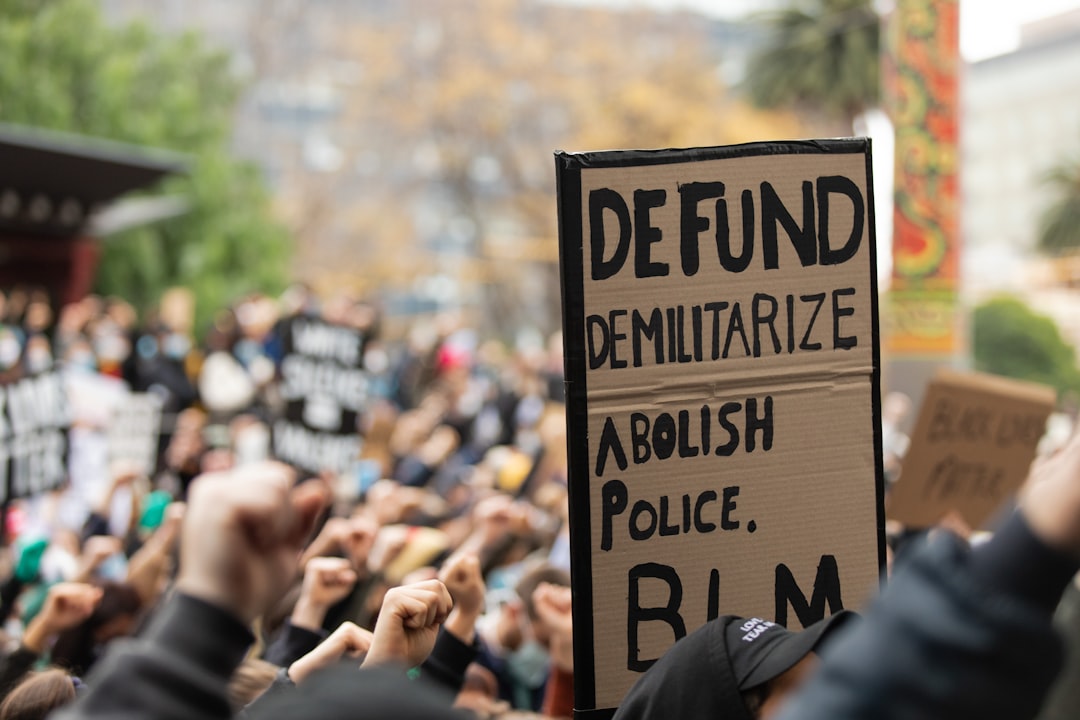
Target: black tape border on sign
column 568, row 167
column 571, row 258
column 637, row 158
column 875, row 332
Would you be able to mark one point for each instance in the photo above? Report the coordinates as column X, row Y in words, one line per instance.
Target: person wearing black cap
column 731, row 668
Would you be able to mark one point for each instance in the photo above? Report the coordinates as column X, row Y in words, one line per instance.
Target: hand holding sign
column 1051, row 499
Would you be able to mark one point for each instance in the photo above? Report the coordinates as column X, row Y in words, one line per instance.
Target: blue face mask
column 176, row 346
column 82, row 360
column 529, row 664
column 114, row 568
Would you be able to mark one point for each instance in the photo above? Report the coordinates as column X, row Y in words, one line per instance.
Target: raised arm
column 242, row 535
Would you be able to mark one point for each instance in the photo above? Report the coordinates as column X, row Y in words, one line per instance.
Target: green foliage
column 1060, row 229
column 63, row 68
column 1012, row 340
column 822, row 55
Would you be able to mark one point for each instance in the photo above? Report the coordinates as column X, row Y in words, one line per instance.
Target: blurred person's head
column 38, row 316
column 739, row 667
column 362, row 316
column 223, row 333
column 541, row 573
column 10, row 347
column 115, row 616
column 479, row 693
column 336, row 310
column 37, row 357
column 297, row 299
column 80, row 354
column 187, row 445
column 16, row 304
column 37, row 695
column 895, row 408
column 256, row 316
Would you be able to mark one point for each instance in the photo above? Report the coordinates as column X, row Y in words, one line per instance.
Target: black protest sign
column 134, row 431
column 971, row 448
column 325, row 389
column 720, row 317
column 34, row 422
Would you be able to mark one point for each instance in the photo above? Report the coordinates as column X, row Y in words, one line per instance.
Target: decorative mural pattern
column 921, row 82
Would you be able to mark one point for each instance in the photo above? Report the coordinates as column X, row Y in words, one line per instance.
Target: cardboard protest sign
column 973, row 443
column 325, row 387
column 34, row 422
column 720, row 316
column 135, row 429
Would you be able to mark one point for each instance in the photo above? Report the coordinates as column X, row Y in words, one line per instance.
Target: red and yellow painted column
column 922, row 69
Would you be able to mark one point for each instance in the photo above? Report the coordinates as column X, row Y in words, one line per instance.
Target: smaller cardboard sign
column 971, row 448
column 134, row 431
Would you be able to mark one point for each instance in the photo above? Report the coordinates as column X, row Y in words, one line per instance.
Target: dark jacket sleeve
column 448, row 661
column 96, row 524
column 178, row 669
column 282, row 686
column 959, row 635
column 292, row 643
column 344, row 691
column 14, row 667
column 9, row 594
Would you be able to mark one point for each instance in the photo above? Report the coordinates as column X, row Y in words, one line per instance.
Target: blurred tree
column 1011, row 340
column 449, row 122
column 1060, row 228
column 821, row 56
column 63, row 68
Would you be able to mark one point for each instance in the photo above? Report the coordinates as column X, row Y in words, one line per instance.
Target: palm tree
column 822, row 56
column 1060, row 228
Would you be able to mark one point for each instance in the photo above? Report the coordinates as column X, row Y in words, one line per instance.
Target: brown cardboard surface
column 971, row 448
column 759, row 469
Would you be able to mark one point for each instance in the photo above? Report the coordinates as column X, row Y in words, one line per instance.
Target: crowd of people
column 460, row 482
column 432, row 578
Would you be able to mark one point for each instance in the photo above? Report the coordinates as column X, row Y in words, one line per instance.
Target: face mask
column 113, row 346
column 114, row 568
column 38, row 361
column 176, row 346
column 246, row 351
column 529, row 664
column 10, row 350
column 82, row 360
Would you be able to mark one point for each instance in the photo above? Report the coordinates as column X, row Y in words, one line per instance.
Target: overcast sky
column 987, row 27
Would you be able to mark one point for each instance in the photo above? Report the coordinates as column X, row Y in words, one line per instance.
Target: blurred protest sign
column 134, row 431
column 34, row 421
column 721, row 329
column 971, row 448
column 325, row 388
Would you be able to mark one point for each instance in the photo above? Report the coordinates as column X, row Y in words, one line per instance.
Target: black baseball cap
column 760, row 650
